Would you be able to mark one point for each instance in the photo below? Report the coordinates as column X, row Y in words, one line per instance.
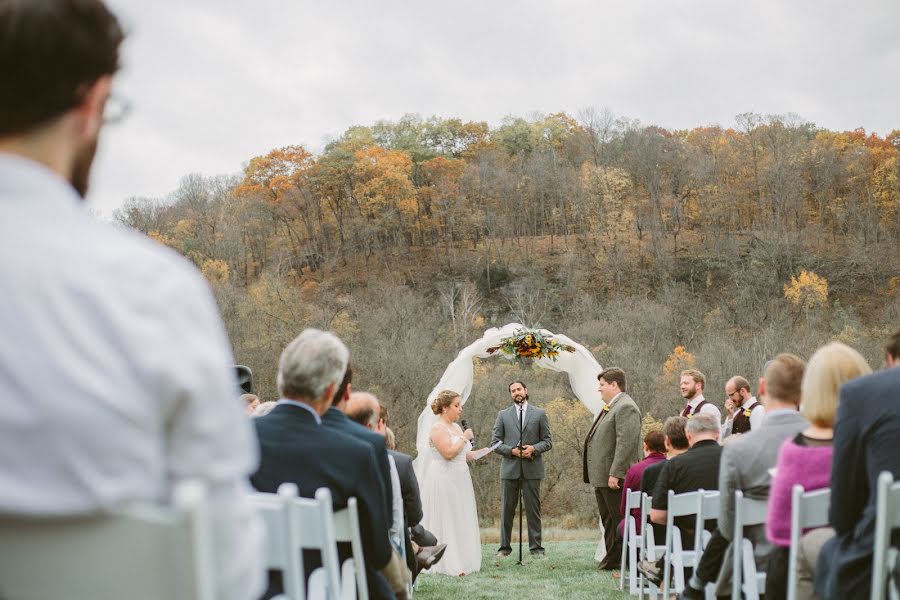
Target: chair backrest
column 632, row 500
column 282, row 549
column 679, row 505
column 314, row 527
column 887, row 518
column 708, row 509
column 139, row 552
column 346, row 529
column 808, row 510
column 747, row 512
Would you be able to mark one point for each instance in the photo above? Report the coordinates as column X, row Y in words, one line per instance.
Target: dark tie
column 687, row 411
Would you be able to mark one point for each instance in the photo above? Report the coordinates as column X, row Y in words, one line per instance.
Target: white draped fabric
column 580, row 365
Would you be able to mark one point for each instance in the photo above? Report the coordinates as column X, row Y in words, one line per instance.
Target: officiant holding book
column 523, row 434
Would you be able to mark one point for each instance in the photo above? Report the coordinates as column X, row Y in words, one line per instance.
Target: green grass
column 567, row 572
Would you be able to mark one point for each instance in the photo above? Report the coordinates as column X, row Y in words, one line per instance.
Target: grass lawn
column 567, row 572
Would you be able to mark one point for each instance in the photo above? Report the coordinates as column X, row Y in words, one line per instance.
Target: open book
column 484, row 451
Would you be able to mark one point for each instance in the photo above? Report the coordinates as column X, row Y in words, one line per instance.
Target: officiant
column 522, row 467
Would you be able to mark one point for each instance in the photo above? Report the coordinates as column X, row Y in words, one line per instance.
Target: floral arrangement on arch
column 530, row 343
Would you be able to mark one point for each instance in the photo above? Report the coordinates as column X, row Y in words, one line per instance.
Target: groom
column 522, row 467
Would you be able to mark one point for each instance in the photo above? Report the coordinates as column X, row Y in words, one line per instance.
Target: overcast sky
column 214, row 83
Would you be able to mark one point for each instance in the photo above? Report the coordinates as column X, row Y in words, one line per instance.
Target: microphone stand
column 521, row 483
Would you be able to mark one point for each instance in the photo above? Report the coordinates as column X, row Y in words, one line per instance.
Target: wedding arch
column 580, row 365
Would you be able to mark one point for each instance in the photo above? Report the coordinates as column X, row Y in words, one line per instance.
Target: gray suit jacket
column 536, row 432
column 613, row 443
column 745, row 466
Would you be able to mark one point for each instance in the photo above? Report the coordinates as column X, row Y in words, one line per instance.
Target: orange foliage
column 679, row 360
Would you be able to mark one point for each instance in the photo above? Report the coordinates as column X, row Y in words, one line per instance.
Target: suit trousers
column 712, row 558
column 609, row 505
column 531, row 492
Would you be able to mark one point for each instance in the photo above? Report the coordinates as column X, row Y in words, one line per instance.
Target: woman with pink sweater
column 806, row 459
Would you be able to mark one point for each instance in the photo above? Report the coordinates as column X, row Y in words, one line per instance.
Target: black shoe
column 429, row 555
column 537, row 552
column 691, row 593
column 503, row 553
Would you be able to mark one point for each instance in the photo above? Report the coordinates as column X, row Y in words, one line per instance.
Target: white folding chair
column 630, row 542
column 649, row 550
column 809, row 510
column 346, row 529
column 887, row 518
column 677, row 558
column 292, row 525
column 139, row 552
column 709, row 510
column 747, row 512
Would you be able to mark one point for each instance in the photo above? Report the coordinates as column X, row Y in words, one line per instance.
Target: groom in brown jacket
column 613, row 444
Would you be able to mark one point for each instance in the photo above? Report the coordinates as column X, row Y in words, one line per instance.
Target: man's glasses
column 115, row 110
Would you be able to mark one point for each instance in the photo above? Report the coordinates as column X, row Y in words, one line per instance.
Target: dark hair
column 511, row 383
column 346, row 381
column 893, row 346
column 656, row 441
column 674, row 428
column 51, row 51
column 613, row 374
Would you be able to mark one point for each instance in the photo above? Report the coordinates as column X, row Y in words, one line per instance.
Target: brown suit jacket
column 613, row 443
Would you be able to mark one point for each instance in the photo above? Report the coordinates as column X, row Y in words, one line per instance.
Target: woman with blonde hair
column 448, row 498
column 806, row 459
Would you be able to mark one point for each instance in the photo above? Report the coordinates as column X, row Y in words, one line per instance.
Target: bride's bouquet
column 529, row 343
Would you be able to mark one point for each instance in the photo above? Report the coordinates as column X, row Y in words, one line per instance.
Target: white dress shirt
column 708, row 408
column 116, row 374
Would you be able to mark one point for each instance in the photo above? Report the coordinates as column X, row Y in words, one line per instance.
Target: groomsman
column 522, row 468
column 744, row 411
column 692, row 384
column 612, row 445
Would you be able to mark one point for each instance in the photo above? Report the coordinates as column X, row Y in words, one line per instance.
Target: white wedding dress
column 449, row 512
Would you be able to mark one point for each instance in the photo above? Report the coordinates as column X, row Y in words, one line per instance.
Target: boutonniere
column 747, row 412
column 606, row 408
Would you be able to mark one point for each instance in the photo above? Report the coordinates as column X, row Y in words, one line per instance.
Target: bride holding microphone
column 448, row 498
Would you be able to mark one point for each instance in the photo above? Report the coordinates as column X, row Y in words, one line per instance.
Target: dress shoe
column 691, row 593
column 538, row 552
column 503, row 553
column 429, row 555
column 650, row 571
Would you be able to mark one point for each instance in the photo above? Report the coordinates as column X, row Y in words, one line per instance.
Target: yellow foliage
column 216, row 271
column 648, row 424
column 679, row 360
column 343, row 325
column 807, row 291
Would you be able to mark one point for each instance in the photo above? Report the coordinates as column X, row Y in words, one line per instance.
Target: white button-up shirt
column 708, row 408
column 115, row 372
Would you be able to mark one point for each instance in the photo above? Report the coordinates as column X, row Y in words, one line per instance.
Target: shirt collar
column 20, row 175
column 302, row 405
column 696, row 400
column 614, row 398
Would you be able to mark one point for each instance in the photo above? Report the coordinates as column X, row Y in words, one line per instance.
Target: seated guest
column 364, row 408
column 866, row 431
column 295, row 447
column 114, row 364
column 745, row 466
column 806, row 459
column 696, row 469
column 676, row 443
column 654, row 452
column 251, row 401
column 335, row 418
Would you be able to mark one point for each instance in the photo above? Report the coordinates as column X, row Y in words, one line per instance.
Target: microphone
column 466, row 426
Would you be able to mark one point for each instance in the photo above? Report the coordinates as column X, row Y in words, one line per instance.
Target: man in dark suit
column 612, row 445
column 522, row 467
column 335, row 418
column 866, row 431
column 295, row 447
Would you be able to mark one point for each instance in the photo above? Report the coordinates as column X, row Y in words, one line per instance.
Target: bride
column 448, row 499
